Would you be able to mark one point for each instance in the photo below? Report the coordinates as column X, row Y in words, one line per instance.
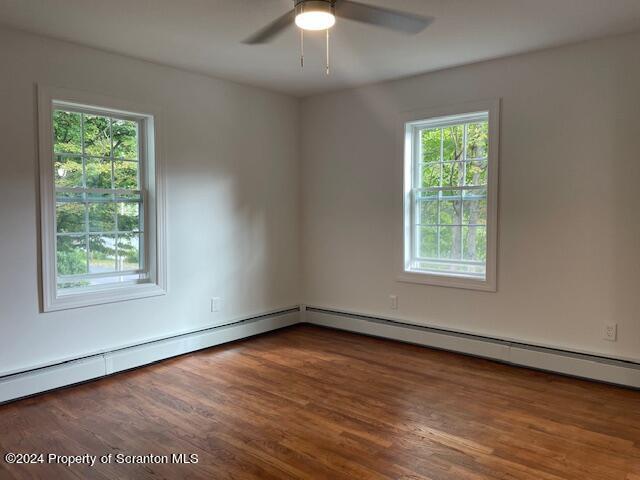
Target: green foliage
column 72, row 262
column 94, row 151
column 102, row 247
column 129, row 251
column 98, row 173
column 452, row 174
column 70, row 217
column 96, row 140
column 97, row 136
column 125, row 139
column 67, row 132
column 71, row 255
column 477, row 140
column 444, row 213
column 102, row 217
column 431, row 145
column 428, row 247
column 452, row 139
column 125, row 174
column 476, row 174
column 98, row 133
column 68, row 171
column 128, row 217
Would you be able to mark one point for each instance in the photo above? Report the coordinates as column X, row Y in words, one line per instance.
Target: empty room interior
column 320, row 239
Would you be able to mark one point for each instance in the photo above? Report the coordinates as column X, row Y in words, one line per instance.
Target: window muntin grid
column 100, row 198
column 450, row 163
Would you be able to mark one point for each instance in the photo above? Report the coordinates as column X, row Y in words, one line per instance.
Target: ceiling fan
column 321, row 15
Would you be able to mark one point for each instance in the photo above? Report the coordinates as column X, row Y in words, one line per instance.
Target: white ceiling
column 205, row 35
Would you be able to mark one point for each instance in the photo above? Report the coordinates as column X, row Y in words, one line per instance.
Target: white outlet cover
column 611, row 332
column 394, row 301
column 215, row 304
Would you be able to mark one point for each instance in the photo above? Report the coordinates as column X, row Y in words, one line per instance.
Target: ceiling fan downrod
column 314, row 15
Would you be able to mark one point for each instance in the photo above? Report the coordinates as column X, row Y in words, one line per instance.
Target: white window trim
column 157, row 283
column 404, row 183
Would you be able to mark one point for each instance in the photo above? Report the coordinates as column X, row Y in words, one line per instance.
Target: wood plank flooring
column 313, row 403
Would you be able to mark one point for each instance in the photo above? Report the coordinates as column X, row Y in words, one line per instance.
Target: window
column 99, row 183
column 450, row 197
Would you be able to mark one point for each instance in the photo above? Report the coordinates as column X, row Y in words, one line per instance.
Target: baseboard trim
column 132, row 357
column 578, row 365
column 32, row 382
column 24, row 384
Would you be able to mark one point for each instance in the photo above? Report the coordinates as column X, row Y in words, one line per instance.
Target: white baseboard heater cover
column 24, row 384
column 579, row 365
column 31, row 382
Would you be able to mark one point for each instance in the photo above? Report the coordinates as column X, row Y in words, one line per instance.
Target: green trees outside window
column 450, row 194
column 99, row 222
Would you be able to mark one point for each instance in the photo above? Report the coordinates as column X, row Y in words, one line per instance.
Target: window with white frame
column 450, row 199
column 99, row 205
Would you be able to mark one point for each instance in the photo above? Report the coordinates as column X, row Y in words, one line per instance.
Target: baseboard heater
column 51, row 377
column 591, row 367
column 38, row 380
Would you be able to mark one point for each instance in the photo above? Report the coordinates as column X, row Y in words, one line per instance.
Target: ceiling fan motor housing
column 315, row 6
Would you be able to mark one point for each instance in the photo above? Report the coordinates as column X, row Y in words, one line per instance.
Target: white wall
column 232, row 201
column 569, row 235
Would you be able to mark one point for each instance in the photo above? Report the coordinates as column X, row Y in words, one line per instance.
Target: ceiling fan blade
column 272, row 30
column 382, row 17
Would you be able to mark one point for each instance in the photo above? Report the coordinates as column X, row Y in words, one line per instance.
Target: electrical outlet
column 216, row 304
column 611, row 332
column 393, row 301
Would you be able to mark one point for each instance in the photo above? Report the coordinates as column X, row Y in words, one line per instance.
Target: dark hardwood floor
column 313, row 403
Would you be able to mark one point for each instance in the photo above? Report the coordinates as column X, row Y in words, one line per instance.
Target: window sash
column 115, row 273
column 101, row 287
column 417, row 164
column 99, row 191
column 439, row 189
column 88, row 276
column 118, row 195
column 450, row 120
column 446, row 261
column 95, row 157
column 61, row 278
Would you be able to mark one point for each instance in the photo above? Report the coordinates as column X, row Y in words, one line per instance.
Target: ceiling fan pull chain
column 327, row 71
column 302, row 48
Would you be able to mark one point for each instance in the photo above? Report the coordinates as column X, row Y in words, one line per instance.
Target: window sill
column 100, row 297
column 453, row 281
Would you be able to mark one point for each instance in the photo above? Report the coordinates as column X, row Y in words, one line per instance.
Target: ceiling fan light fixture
column 315, row 14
